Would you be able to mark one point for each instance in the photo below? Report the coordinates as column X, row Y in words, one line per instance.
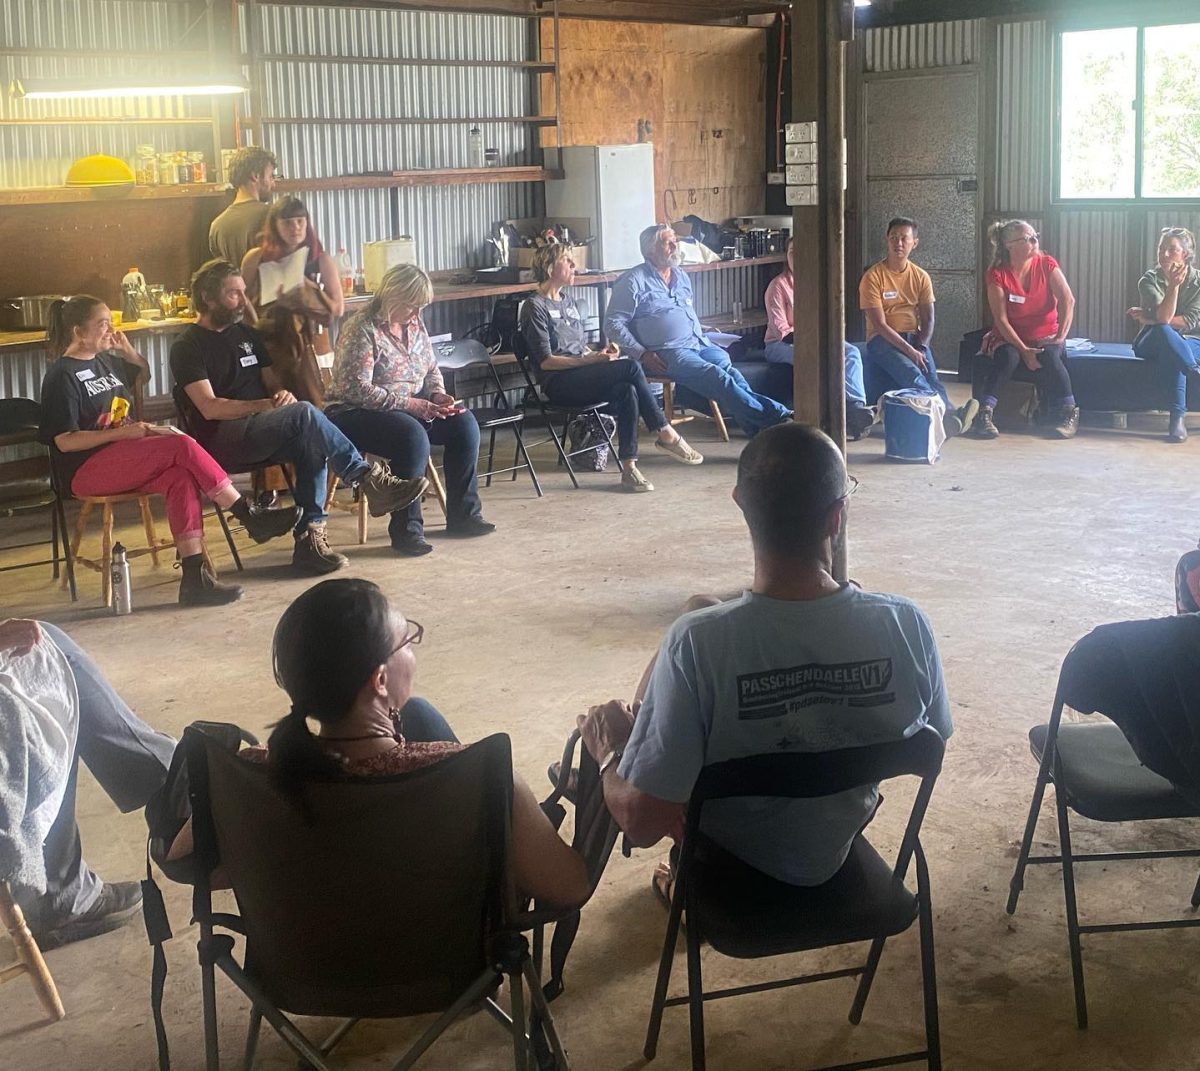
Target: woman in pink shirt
column 1032, row 307
column 780, row 302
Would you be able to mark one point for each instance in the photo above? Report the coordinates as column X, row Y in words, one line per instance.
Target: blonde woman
column 572, row 373
column 1032, row 308
column 389, row 399
column 1169, row 313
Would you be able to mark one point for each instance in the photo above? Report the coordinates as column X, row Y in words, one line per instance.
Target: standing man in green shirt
column 237, row 229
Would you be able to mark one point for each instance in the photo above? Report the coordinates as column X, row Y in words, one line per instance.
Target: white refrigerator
column 613, row 187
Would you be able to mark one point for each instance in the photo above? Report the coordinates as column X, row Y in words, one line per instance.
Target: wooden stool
column 29, row 956
column 104, row 565
column 358, row 504
column 668, row 386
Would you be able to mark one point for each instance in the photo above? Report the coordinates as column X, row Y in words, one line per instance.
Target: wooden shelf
column 29, row 339
column 459, row 176
column 303, row 120
column 108, row 120
column 106, row 195
column 403, row 61
column 745, row 262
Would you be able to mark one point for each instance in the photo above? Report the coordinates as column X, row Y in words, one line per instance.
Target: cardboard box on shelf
column 578, row 226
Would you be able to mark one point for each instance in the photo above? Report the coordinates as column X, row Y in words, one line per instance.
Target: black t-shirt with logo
column 231, row 360
column 84, row 396
column 552, row 327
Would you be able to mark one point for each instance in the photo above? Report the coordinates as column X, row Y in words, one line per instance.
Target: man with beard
column 239, row 227
column 651, row 317
column 231, row 402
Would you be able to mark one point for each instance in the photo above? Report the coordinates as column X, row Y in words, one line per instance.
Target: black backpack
column 167, row 812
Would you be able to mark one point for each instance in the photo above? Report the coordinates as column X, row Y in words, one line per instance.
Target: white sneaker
column 680, row 451
column 633, row 480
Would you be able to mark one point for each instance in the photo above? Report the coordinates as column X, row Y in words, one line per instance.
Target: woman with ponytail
column 346, row 660
column 1032, row 308
column 100, row 449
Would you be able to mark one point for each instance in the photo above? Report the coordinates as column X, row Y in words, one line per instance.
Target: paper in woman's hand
column 286, row 275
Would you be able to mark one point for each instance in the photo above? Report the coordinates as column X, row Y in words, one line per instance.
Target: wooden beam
column 911, row 12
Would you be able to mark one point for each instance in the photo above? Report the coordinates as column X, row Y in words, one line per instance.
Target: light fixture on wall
column 204, row 84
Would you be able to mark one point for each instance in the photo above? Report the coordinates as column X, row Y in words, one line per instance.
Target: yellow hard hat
column 100, row 170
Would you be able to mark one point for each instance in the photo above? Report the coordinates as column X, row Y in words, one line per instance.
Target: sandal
column 662, row 882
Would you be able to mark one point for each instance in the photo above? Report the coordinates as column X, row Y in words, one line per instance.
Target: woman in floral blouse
column 388, row 397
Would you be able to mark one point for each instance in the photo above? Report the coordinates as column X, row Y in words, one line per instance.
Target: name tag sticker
column 85, row 375
column 249, row 360
column 891, row 295
column 555, row 314
column 1017, row 299
column 688, row 300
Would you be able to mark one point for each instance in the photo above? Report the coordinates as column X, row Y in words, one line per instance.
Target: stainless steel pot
column 26, row 313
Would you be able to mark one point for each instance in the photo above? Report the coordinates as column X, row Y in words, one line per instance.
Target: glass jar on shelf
column 168, row 174
column 146, row 166
column 199, row 167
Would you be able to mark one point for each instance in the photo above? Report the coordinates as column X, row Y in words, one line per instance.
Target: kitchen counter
column 28, row 339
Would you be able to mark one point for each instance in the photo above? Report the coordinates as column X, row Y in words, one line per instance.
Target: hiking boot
column 1067, row 424
column 983, row 427
column 265, row 524
column 633, row 480
column 470, row 528
column 313, row 555
column 1177, row 432
column 200, row 587
column 116, row 905
column 386, row 492
column 859, row 421
column 967, row 414
column 680, row 451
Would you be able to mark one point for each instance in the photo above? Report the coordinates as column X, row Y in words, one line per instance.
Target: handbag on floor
column 586, row 434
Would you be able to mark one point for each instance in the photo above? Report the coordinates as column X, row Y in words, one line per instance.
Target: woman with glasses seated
column 389, row 399
column 1169, row 312
column 572, row 373
column 346, row 659
column 1032, row 307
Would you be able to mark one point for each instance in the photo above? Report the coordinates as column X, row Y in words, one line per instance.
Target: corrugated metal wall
column 1024, row 105
column 1092, row 250
column 934, row 44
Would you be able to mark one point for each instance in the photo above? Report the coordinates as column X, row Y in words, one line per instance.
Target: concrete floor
column 1013, row 548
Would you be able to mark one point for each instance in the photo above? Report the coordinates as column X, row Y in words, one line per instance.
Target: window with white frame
column 1128, row 114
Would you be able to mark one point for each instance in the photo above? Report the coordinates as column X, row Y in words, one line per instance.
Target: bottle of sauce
column 345, row 271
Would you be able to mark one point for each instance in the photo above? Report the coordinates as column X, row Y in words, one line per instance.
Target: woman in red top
column 1032, row 307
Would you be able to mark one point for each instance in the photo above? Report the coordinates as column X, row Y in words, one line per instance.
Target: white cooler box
column 378, row 257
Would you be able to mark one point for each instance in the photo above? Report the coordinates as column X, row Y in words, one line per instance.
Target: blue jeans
column 421, row 721
column 405, row 441
column 622, row 384
column 902, row 371
column 708, row 371
column 1175, row 356
column 127, row 757
column 299, row 435
column 780, row 352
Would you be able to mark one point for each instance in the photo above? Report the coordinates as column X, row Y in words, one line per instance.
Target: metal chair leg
column 237, row 558
column 491, row 457
column 252, row 1038
column 1035, row 807
column 516, row 989
column 563, row 456
column 695, row 998
column 670, row 940
column 208, row 991
column 933, row 1033
column 68, row 554
column 54, row 538
column 540, row 1009
column 528, row 462
column 1068, row 865
column 864, row 982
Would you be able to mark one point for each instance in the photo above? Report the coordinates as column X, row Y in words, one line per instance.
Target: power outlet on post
column 801, row 195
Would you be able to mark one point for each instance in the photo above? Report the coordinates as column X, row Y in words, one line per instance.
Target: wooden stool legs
column 29, row 956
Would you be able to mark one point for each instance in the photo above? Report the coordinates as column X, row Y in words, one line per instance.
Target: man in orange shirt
column 896, row 296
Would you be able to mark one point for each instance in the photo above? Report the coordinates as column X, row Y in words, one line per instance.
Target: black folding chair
column 31, row 490
column 430, row 851
column 533, row 396
column 741, row 912
column 1097, row 774
column 463, row 354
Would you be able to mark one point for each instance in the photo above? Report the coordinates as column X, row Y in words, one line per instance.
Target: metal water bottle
column 122, row 594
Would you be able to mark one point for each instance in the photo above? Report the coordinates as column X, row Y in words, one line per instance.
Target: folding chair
column 743, row 913
column 30, row 490
column 444, row 936
column 29, row 956
column 549, row 412
column 1097, row 773
column 463, row 354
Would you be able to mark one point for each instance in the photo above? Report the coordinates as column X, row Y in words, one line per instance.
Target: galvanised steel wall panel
column 1024, row 111
column 1156, row 221
column 21, row 370
column 934, row 44
column 1092, row 250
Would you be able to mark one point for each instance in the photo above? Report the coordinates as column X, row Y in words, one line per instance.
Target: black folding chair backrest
column 19, row 415
column 383, row 904
column 808, row 775
column 1145, row 676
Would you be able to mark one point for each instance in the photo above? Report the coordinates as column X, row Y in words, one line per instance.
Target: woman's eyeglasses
column 1030, row 238
column 413, row 637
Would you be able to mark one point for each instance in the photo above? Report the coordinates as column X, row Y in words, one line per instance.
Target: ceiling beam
column 910, row 12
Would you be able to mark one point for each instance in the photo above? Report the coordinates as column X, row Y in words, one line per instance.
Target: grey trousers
column 127, row 757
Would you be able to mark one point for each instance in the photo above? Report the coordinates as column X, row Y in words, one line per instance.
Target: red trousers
column 174, row 466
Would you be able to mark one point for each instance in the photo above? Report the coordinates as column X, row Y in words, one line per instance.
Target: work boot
column 200, row 587
column 1177, row 432
column 116, row 905
column 859, row 421
column 1067, row 424
column 386, row 492
column 264, row 524
column 983, row 427
column 313, row 555
column 411, row 545
column 469, row 528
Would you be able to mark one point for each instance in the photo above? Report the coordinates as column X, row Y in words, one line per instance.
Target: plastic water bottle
column 345, row 271
column 476, row 156
column 122, row 592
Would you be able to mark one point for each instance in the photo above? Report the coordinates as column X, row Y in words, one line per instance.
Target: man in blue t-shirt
column 652, row 318
column 798, row 663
